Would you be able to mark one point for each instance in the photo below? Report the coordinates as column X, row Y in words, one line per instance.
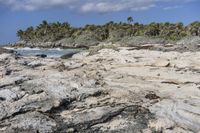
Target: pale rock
column 127, row 90
column 162, row 63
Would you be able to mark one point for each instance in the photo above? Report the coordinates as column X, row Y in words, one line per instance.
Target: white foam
column 9, row 48
column 55, row 49
column 28, row 48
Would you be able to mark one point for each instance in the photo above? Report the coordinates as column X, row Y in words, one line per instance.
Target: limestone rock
column 162, row 63
column 8, row 95
column 124, row 90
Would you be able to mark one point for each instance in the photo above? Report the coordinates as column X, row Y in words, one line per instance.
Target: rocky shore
column 124, row 90
column 3, row 50
column 190, row 43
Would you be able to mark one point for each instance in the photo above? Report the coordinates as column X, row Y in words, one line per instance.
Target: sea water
column 50, row 52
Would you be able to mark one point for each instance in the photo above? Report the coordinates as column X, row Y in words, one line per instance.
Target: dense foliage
column 49, row 32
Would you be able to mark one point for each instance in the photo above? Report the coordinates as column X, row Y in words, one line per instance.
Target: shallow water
column 50, row 52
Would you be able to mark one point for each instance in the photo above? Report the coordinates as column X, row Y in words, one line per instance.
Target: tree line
column 46, row 32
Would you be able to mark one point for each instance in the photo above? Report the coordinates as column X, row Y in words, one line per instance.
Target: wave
column 9, row 48
column 57, row 49
column 28, row 48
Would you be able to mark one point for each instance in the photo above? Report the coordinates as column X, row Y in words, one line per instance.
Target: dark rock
column 31, row 122
column 8, row 72
column 151, row 96
column 41, row 55
column 2, row 99
column 3, row 50
column 68, row 55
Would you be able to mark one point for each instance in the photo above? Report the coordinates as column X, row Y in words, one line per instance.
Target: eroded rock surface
column 112, row 91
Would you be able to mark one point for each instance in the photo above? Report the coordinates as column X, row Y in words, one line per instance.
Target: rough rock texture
column 88, row 40
column 140, row 40
column 191, row 40
column 3, row 50
column 112, row 91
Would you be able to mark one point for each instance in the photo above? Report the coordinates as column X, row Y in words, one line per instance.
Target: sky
column 20, row 14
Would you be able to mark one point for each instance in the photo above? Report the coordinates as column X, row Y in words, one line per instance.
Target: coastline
column 86, row 66
column 190, row 43
column 44, row 52
column 126, row 90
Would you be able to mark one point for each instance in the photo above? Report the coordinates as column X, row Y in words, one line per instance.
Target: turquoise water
column 53, row 52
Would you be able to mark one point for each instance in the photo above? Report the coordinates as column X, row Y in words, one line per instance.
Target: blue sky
column 19, row 14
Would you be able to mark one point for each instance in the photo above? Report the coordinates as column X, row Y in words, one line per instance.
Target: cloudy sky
column 19, row 14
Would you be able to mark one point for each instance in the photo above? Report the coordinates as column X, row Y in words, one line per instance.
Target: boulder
column 162, row 63
column 68, row 55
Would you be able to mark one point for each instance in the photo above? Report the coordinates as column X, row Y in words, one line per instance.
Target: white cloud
column 35, row 4
column 172, row 7
column 101, row 6
column 116, row 5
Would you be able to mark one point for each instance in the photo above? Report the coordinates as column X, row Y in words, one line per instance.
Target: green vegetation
column 51, row 32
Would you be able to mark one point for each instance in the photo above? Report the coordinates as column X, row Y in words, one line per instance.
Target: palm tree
column 20, row 34
column 130, row 19
column 44, row 26
column 56, row 31
column 66, row 25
